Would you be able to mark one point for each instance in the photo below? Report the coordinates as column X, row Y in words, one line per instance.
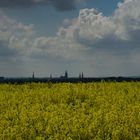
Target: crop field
column 91, row 111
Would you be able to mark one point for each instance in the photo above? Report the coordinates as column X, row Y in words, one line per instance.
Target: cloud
column 92, row 32
column 103, row 44
column 14, row 36
column 94, row 26
column 108, row 43
column 98, row 31
column 88, row 33
column 62, row 5
column 5, row 51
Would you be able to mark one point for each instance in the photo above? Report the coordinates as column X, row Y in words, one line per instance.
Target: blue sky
column 47, row 19
column 99, row 38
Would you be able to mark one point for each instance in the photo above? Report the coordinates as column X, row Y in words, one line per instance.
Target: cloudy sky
column 99, row 38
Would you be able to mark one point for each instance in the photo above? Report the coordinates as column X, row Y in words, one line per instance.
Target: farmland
column 91, row 111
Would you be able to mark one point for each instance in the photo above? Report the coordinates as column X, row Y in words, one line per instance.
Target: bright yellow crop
column 93, row 111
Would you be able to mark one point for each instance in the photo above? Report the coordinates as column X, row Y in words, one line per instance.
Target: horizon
column 98, row 38
column 70, row 76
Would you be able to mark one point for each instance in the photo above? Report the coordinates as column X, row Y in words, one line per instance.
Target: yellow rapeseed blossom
column 91, row 111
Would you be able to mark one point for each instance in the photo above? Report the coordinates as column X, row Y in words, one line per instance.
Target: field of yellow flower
column 91, row 111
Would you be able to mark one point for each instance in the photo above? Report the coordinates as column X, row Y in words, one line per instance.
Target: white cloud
column 127, row 19
column 88, row 31
column 95, row 39
column 94, row 26
column 16, row 35
column 58, row 47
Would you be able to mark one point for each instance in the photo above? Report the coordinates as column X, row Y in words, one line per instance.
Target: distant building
column 33, row 76
column 50, row 76
column 81, row 75
column 66, row 74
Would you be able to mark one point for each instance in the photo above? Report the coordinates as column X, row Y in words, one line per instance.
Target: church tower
column 33, row 76
column 66, row 74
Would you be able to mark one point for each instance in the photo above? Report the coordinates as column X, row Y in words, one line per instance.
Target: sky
column 96, row 37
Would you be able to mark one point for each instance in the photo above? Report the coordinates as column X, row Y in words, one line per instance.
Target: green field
column 93, row 111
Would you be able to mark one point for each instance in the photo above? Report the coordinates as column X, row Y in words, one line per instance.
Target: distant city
column 66, row 78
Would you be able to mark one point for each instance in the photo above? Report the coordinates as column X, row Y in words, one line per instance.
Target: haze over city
column 99, row 38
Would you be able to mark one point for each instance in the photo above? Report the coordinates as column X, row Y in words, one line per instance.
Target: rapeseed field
column 91, row 111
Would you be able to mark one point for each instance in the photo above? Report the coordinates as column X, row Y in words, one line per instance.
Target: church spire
column 33, row 76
